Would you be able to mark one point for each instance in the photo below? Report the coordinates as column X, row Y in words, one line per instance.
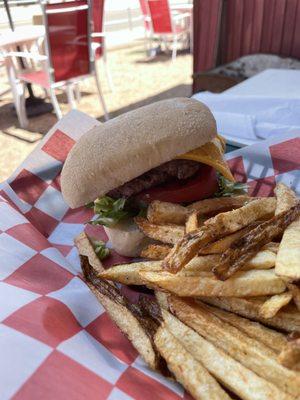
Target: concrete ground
column 137, row 81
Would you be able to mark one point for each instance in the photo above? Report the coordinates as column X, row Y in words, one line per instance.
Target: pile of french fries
column 225, row 273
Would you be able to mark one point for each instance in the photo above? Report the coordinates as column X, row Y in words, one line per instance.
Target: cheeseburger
column 167, row 151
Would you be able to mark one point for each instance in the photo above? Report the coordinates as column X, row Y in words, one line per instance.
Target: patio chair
column 166, row 25
column 99, row 38
column 68, row 58
column 146, row 20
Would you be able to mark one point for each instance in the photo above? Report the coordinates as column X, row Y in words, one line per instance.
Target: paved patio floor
column 137, row 81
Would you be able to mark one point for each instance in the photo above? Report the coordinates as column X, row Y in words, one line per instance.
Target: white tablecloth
column 260, row 107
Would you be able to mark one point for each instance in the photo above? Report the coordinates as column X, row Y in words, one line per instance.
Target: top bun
column 125, row 147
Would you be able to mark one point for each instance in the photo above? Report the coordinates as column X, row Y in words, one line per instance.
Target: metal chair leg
column 71, row 98
column 107, row 71
column 106, row 116
column 55, row 103
column 174, row 50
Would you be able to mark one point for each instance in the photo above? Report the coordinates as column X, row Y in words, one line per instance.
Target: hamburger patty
column 179, row 169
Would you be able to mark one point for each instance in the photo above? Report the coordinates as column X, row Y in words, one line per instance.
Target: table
column 260, row 107
column 271, row 82
column 20, row 36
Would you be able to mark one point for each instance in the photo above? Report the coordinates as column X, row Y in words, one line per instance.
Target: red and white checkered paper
column 56, row 341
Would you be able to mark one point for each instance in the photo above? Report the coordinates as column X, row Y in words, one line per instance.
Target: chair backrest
column 146, row 14
column 98, row 21
column 229, row 29
column 68, row 39
column 160, row 16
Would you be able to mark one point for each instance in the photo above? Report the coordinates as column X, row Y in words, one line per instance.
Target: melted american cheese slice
column 211, row 153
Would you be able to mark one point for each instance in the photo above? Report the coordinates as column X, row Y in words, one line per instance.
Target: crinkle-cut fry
column 244, row 284
column 161, row 212
column 155, row 251
column 248, row 351
column 269, row 337
column 188, row 371
column 219, row 204
column 248, row 245
column 290, row 355
column 232, row 374
column 271, row 306
column 286, row 198
column 295, row 290
column 287, row 320
column 169, row 234
column 221, row 225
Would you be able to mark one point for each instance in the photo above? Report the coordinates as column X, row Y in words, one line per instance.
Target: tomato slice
column 201, row 186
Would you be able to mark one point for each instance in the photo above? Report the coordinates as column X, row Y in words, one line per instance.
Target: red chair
column 68, row 57
column 98, row 37
column 166, row 25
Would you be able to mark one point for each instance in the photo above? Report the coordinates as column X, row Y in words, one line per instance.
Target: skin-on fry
column 85, row 248
column 264, row 259
column 161, row 212
column 245, row 248
column 219, row 204
column 221, row 225
column 187, row 370
column 288, row 321
column 295, row 290
column 192, row 222
column 272, row 246
column 221, row 245
column 127, row 317
column 290, row 355
column 249, row 352
column 271, row 306
column 232, row 374
column 169, row 234
column 269, row 337
column 244, row 284
column 286, row 198
column 288, row 257
column 155, row 251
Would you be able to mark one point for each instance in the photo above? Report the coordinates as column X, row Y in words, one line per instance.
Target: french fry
column 160, row 212
column 264, row 259
column 86, row 249
column 169, row 234
column 248, row 351
column 231, row 373
column 187, row 370
column 244, row 284
column 271, row 306
column 286, row 198
column 269, row 337
column 288, row 256
column 232, row 221
column 272, row 246
column 221, row 225
column 295, row 290
column 290, row 355
column 219, row 204
column 126, row 316
column 129, row 274
column 221, row 245
column 287, row 320
column 192, row 222
column 244, row 248
column 155, row 251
